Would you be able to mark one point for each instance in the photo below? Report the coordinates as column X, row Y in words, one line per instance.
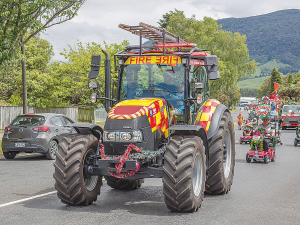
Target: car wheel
column 295, row 142
column 52, row 150
column 9, row 155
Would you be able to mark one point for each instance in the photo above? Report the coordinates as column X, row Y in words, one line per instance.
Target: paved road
column 261, row 194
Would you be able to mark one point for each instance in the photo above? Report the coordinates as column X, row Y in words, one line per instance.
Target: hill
column 270, row 37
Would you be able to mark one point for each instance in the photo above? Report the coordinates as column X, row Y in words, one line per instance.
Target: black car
column 35, row 133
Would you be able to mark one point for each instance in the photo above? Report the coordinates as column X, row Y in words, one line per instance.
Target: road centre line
column 27, row 199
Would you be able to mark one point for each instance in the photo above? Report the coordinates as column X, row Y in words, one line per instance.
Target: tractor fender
column 215, row 121
column 209, row 116
column 192, row 130
column 87, row 128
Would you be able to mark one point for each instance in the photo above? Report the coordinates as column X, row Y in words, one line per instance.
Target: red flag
column 276, row 87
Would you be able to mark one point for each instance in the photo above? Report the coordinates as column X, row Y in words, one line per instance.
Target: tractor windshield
column 154, row 80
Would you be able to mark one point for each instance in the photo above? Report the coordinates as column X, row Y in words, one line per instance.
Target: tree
column 264, row 88
column 274, row 78
column 230, row 48
column 18, row 17
column 71, row 76
column 41, row 87
column 290, row 93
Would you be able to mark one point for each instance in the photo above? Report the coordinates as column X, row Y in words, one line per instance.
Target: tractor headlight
column 109, row 136
column 124, row 136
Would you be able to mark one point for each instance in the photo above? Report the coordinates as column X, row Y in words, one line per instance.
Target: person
column 240, row 120
column 169, row 82
column 176, row 91
column 265, row 128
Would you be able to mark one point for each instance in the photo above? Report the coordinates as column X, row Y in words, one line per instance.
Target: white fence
column 8, row 113
column 100, row 114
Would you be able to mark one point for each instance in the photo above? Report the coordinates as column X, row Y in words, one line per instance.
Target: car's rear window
column 31, row 120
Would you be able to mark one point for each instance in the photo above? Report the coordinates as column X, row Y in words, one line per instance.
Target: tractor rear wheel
column 74, row 186
column 184, row 173
column 221, row 157
column 123, row 184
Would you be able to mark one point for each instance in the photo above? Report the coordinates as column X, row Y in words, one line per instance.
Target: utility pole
column 25, row 111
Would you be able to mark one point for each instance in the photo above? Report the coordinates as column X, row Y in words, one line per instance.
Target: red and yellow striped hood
column 154, row 108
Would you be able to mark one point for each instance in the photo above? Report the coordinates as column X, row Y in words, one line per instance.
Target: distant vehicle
column 35, row 133
column 290, row 116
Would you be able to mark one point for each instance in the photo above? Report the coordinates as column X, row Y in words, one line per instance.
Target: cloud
column 97, row 21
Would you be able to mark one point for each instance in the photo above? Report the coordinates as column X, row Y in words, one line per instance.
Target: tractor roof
column 163, row 42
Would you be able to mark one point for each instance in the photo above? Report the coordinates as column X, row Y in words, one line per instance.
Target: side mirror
column 211, row 62
column 95, row 66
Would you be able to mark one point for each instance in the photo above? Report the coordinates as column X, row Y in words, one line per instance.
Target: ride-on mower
column 160, row 124
column 257, row 153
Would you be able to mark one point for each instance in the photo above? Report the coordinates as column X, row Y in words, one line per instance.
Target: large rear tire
column 184, row 173
column 123, row 184
column 74, row 186
column 221, row 157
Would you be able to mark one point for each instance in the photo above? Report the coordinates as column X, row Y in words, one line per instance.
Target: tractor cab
column 169, row 68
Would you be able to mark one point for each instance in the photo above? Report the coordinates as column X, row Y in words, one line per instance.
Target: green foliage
column 230, row 48
column 20, row 16
column 40, row 84
column 275, row 78
column 273, row 36
column 290, row 93
column 71, row 77
column 264, row 88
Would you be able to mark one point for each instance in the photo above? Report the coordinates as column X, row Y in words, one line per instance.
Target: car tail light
column 41, row 129
column 8, row 128
column 29, row 115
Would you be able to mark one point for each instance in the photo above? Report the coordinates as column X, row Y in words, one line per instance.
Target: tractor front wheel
column 73, row 184
column 184, row 173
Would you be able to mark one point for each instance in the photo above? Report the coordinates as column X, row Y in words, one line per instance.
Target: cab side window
column 198, row 74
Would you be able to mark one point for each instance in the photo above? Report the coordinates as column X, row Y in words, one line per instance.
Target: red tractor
column 161, row 124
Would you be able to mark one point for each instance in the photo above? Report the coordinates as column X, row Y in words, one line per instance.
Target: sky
column 98, row 20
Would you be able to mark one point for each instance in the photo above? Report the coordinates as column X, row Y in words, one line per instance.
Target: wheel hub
column 227, row 153
column 197, row 174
